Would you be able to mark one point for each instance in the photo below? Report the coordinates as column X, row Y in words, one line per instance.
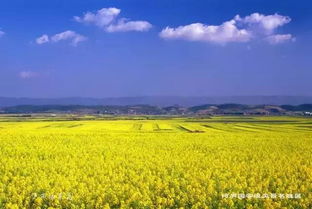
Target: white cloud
column 227, row 32
column 238, row 29
column 27, row 74
column 263, row 23
column 279, row 38
column 74, row 37
column 107, row 19
column 123, row 25
column 68, row 35
column 43, row 39
column 100, row 18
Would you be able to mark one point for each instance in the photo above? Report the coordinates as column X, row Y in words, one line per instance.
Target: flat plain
column 155, row 162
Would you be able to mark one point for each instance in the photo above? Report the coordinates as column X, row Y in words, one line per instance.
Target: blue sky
column 103, row 48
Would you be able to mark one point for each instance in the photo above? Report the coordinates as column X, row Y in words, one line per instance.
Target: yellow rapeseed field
column 221, row 162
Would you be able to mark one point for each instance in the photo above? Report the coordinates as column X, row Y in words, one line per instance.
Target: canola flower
column 155, row 164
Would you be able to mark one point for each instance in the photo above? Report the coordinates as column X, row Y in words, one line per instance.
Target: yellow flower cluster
column 174, row 163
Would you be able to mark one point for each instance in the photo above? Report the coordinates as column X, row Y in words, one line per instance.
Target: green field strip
column 165, row 127
column 226, row 127
column 288, row 128
column 233, row 118
column 216, row 128
column 241, row 128
column 184, row 128
column 195, row 128
column 60, row 125
column 74, row 125
column 209, row 127
column 280, row 127
column 156, row 127
column 137, row 126
column 257, row 128
column 245, row 121
column 306, row 127
column 294, row 128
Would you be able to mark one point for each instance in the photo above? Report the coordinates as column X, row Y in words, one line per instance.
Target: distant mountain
column 159, row 100
column 208, row 109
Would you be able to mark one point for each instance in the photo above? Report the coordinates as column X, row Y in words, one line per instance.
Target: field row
column 157, row 126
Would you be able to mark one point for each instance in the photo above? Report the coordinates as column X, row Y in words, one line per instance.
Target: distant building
column 308, row 113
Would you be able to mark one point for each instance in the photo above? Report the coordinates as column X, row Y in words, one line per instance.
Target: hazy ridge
column 159, row 100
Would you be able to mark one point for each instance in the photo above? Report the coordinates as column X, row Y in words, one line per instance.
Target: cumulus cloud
column 107, row 19
column 239, row 29
column 27, row 74
column 263, row 23
column 280, row 38
column 227, row 32
column 72, row 36
column 123, row 25
column 43, row 39
column 101, row 18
